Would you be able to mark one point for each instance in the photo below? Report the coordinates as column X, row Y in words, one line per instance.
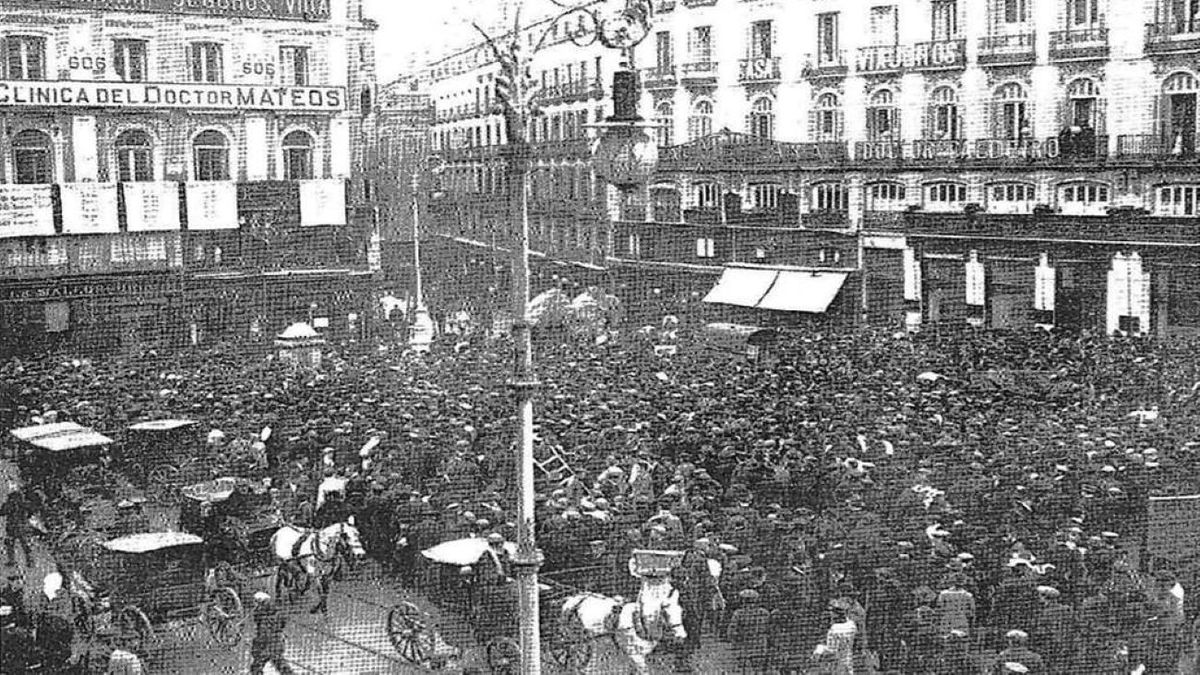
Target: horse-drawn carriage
column 164, row 455
column 125, row 587
column 237, row 518
column 469, row 575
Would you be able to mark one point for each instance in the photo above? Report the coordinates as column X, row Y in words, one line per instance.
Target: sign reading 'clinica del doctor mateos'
column 44, row 94
column 288, row 10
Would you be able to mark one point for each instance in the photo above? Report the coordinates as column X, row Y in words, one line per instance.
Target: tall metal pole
column 416, row 234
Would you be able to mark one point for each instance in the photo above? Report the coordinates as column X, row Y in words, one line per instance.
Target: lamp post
column 421, row 330
column 620, row 24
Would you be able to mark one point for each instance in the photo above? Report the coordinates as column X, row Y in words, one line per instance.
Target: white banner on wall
column 976, row 294
column 322, row 202
column 89, row 208
column 212, row 205
column 26, row 211
column 1128, row 293
column 1044, row 281
column 151, row 207
column 912, row 275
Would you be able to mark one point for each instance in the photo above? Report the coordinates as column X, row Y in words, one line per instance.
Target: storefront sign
column 322, row 202
column 73, row 94
column 151, row 207
column 93, row 287
column 212, row 206
column 26, row 211
column 89, row 208
column 287, row 10
column 946, row 54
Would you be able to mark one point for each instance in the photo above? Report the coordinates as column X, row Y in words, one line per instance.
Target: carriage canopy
column 61, row 436
column 161, row 425
column 466, row 551
column 147, row 542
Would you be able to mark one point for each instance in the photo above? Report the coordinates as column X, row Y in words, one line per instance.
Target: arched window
column 210, row 150
column 944, row 124
column 135, row 156
column 1180, row 111
column 886, row 197
column 1010, row 197
column 33, row 157
column 700, row 123
column 1083, row 101
column 829, row 197
column 762, row 118
column 883, row 118
column 827, row 118
column 945, row 196
column 664, row 121
column 1010, row 114
column 1084, row 199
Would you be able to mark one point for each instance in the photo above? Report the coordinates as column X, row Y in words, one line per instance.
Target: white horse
column 314, row 554
column 635, row 627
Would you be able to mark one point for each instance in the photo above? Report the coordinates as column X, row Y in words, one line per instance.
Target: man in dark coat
column 749, row 633
column 1019, row 653
column 697, row 591
column 267, row 645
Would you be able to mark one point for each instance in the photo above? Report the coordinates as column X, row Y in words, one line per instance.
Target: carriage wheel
column 406, row 629
column 225, row 617
column 163, row 484
column 504, row 656
column 133, row 624
column 570, row 653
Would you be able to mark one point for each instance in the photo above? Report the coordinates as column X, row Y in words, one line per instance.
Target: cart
column 236, row 517
column 129, row 585
column 164, row 455
column 488, row 600
column 49, row 453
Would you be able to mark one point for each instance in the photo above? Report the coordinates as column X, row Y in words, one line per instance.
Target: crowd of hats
column 952, row 452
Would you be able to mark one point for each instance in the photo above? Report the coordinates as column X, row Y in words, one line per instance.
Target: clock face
column 622, row 31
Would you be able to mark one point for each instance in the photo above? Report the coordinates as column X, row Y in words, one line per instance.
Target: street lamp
column 618, row 24
column 421, row 330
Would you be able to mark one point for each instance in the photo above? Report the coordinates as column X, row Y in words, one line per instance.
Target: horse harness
column 306, row 535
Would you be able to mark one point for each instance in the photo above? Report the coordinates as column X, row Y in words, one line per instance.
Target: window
column 293, row 66
column 827, row 38
column 1010, row 118
column 708, row 195
column 664, row 120
column 33, row 157
column 705, row 247
column 700, row 123
column 762, row 118
column 1083, row 108
column 1016, row 11
column 25, row 57
column 944, row 124
column 298, row 156
column 828, row 118
column 1083, row 13
column 1178, row 200
column 1084, row 199
column 884, row 26
column 829, row 197
column 883, row 118
column 1010, row 197
column 700, row 44
column 1183, row 16
column 206, row 62
column 886, row 197
column 945, row 20
column 134, row 157
column 764, row 196
column 945, row 196
column 210, row 151
column 662, row 49
column 761, row 40
column 129, row 60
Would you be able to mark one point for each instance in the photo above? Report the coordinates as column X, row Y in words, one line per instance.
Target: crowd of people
column 946, row 502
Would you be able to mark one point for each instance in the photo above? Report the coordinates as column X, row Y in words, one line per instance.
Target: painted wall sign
column 287, row 10
column 43, row 94
column 26, row 211
column 947, row 54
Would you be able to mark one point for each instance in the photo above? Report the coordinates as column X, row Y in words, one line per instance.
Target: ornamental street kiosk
column 300, row 345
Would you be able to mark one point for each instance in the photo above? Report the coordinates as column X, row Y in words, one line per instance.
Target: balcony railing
column 571, row 92
column 1164, row 147
column 827, row 64
column 919, row 56
column 698, row 3
column 1049, row 227
column 1006, row 49
column 1173, row 36
column 664, row 6
column 710, row 154
column 1079, row 43
column 761, row 69
column 1052, row 150
column 699, row 70
column 659, row 77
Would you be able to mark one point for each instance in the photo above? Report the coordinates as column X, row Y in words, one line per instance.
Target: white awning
column 811, row 292
column 741, row 286
column 61, row 436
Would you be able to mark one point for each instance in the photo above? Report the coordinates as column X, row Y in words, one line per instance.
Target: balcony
column 761, row 69
column 659, row 77
column 734, row 152
column 1004, row 50
column 1079, row 44
column 1173, row 37
column 1049, row 227
column 699, row 3
column 664, row 6
column 1158, row 148
column 699, row 72
column 828, row 64
column 570, row 92
column 574, row 148
column 986, row 151
column 939, row 55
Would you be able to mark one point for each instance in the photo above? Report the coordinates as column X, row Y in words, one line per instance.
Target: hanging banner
column 975, row 281
column 26, row 211
column 912, row 275
column 89, row 208
column 151, row 207
column 322, row 202
column 1045, row 279
column 212, row 205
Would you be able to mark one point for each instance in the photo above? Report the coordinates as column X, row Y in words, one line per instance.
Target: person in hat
column 124, row 660
column 840, row 638
column 748, row 633
column 1052, row 629
column 956, row 607
column 268, row 643
column 956, row 658
column 698, row 595
column 1018, row 652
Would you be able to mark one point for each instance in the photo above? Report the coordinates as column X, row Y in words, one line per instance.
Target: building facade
column 179, row 172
